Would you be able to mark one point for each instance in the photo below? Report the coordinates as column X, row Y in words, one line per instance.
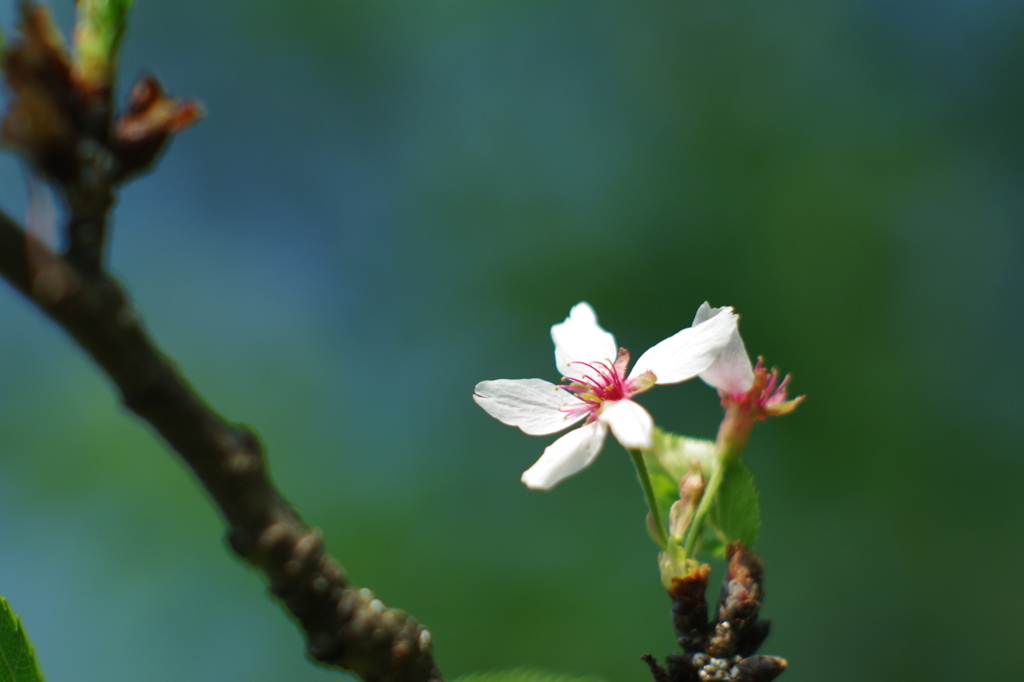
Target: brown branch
column 724, row 648
column 62, row 121
column 345, row 626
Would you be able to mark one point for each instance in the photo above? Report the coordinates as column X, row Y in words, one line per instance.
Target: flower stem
column 733, row 435
column 710, row 492
column 652, row 502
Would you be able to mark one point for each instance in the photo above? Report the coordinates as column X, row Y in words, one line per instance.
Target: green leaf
column 669, row 459
column 523, row 675
column 17, row 659
column 736, row 514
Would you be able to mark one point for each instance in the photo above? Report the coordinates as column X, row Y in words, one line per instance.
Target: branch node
column 346, row 603
column 270, row 537
column 319, row 583
column 292, row 569
column 312, row 543
column 425, row 639
column 246, row 452
column 332, row 569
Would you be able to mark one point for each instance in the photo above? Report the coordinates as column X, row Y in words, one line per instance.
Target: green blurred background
column 392, row 200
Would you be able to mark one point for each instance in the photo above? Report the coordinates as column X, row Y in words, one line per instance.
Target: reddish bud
column 139, row 134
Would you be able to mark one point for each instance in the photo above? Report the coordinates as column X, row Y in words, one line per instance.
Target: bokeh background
column 392, row 200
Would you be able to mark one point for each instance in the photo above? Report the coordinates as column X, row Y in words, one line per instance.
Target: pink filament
column 609, row 384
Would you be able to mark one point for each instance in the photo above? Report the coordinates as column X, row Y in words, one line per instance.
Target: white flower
column 731, row 372
column 598, row 390
column 740, row 382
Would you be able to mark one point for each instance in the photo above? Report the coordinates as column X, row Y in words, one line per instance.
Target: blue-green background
column 392, row 200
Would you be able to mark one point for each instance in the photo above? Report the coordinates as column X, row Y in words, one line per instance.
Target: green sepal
column 99, row 28
column 670, row 458
column 17, row 657
column 736, row 512
column 523, row 675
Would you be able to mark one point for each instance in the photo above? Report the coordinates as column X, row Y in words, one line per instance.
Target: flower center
column 602, row 382
column 773, row 391
column 766, row 397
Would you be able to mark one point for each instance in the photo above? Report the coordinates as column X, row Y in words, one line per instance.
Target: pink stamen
column 600, row 372
column 773, row 394
column 604, row 382
column 766, row 392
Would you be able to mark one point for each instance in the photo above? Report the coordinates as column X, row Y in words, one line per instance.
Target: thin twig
column 345, row 626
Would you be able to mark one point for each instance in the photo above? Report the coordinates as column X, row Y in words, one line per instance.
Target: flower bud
column 146, row 123
column 691, row 490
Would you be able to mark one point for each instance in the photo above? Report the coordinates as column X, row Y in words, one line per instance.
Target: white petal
column 571, row 453
column 731, row 371
column 534, row 405
column 689, row 352
column 581, row 339
column 631, row 424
